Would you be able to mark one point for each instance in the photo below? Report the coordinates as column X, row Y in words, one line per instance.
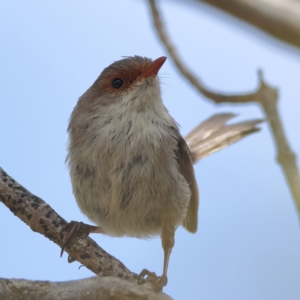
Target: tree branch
column 265, row 95
column 286, row 157
column 108, row 288
column 278, row 18
column 185, row 71
column 41, row 218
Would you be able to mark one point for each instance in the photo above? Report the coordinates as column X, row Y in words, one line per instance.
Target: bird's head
column 130, row 80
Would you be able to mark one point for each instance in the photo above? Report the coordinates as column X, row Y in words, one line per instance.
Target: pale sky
column 248, row 243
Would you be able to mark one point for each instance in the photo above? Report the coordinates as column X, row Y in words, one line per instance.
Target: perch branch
column 85, row 289
column 41, row 218
column 266, row 96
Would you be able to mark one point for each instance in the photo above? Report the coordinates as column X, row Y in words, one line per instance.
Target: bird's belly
column 133, row 185
column 136, row 196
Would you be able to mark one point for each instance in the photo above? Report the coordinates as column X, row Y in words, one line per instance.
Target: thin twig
column 188, row 74
column 285, row 156
column 265, row 95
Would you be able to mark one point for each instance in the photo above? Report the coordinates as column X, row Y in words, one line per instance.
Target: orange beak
column 152, row 68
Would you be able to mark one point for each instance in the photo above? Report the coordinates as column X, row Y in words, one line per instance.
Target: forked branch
column 265, row 95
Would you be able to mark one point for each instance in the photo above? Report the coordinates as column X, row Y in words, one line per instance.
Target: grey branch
column 278, row 18
column 108, row 288
column 285, row 156
column 41, row 218
column 185, row 71
column 266, row 96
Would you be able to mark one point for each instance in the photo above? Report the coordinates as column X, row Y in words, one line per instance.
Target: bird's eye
column 117, row 83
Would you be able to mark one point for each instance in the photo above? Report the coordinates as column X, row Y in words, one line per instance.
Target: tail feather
column 213, row 134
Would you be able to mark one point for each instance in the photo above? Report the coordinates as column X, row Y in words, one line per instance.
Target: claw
column 144, row 273
column 73, row 230
column 158, row 282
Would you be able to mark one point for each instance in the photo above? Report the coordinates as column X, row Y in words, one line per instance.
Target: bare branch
column 265, row 95
column 41, row 218
column 185, row 71
column 87, row 289
column 285, row 156
column 279, row 18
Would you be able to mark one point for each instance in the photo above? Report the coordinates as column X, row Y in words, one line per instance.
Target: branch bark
column 41, row 218
column 285, row 156
column 278, row 18
column 265, row 95
column 104, row 288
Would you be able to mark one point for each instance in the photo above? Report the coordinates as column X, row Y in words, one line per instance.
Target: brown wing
column 187, row 170
column 214, row 134
column 210, row 136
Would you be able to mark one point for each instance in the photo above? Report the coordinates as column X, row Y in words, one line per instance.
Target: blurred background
column 248, row 242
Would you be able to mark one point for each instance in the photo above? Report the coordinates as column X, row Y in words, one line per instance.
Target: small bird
column 131, row 170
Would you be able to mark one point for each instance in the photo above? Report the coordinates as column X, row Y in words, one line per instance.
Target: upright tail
column 213, row 134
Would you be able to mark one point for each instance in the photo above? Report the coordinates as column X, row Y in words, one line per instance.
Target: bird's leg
column 167, row 237
column 73, row 230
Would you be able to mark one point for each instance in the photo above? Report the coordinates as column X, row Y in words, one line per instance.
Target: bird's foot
column 158, row 282
column 71, row 231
